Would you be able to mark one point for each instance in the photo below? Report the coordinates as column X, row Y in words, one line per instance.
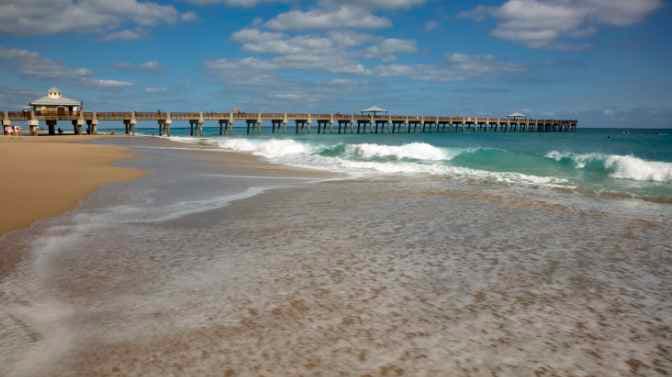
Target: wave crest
column 619, row 166
column 412, row 151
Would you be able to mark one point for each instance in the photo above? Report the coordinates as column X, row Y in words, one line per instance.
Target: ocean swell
column 617, row 166
column 363, row 159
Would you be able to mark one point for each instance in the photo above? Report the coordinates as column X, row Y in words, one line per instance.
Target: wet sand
column 372, row 277
column 46, row 176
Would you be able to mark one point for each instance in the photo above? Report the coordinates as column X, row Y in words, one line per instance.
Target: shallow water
column 630, row 163
column 383, row 275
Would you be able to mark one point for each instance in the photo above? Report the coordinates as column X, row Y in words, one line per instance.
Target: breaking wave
column 362, row 159
column 617, row 166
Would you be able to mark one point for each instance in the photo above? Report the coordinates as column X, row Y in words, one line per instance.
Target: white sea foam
column 416, row 151
column 431, row 160
column 146, row 213
column 619, row 166
column 270, row 149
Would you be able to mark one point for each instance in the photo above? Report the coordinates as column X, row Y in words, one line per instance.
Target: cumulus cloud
column 300, row 52
column 235, row 3
column 32, row 64
column 388, row 48
column 344, row 16
column 347, row 38
column 543, row 23
column 30, row 17
column 371, row 4
column 124, row 35
column 378, row 4
column 456, row 66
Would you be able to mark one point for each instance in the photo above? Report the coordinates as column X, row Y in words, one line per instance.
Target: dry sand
column 46, row 176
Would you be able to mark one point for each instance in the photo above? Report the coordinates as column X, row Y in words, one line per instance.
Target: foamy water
column 194, row 271
column 441, row 155
column 623, row 167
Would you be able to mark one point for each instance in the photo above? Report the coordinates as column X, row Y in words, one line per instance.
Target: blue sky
column 604, row 62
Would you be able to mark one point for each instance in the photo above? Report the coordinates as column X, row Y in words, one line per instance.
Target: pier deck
column 303, row 122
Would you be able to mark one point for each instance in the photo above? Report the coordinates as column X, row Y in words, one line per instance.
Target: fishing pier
column 297, row 123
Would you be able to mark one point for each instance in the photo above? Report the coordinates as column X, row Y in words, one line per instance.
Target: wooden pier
column 302, row 122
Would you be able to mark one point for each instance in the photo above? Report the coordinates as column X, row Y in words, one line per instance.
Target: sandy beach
column 217, row 263
column 45, row 177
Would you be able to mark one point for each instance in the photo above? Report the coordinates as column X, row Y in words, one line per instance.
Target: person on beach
column 8, row 131
column 17, row 131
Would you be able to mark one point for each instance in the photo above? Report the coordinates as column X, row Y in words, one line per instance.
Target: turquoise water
column 633, row 163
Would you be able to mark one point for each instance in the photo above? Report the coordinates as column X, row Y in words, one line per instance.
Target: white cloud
column 188, row 17
column 388, row 48
column 255, row 40
column 124, row 35
column 388, row 70
column 371, row 4
column 234, row 3
column 324, row 53
column 456, row 66
column 30, row 17
column 378, row 4
column 151, row 65
column 476, row 65
column 344, row 16
column 32, row 64
column 347, row 38
column 112, row 84
column 543, row 23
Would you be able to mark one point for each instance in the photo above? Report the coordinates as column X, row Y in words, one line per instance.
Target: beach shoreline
column 385, row 275
column 47, row 177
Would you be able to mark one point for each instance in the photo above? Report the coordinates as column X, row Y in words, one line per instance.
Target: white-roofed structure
column 516, row 116
column 374, row 110
column 54, row 102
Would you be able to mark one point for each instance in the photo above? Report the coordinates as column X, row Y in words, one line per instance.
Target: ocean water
column 427, row 255
column 616, row 162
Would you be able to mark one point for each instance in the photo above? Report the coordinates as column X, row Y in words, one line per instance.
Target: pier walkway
column 302, row 122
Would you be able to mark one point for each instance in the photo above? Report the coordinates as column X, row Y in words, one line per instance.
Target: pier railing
column 329, row 123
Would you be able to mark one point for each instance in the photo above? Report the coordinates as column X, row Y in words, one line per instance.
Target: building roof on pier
column 55, row 98
column 516, row 115
column 374, row 110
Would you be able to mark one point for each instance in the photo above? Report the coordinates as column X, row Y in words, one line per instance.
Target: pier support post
column 76, row 127
column 222, row 122
column 34, row 124
column 6, row 122
column 51, row 125
column 94, row 123
column 199, row 128
column 166, row 125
